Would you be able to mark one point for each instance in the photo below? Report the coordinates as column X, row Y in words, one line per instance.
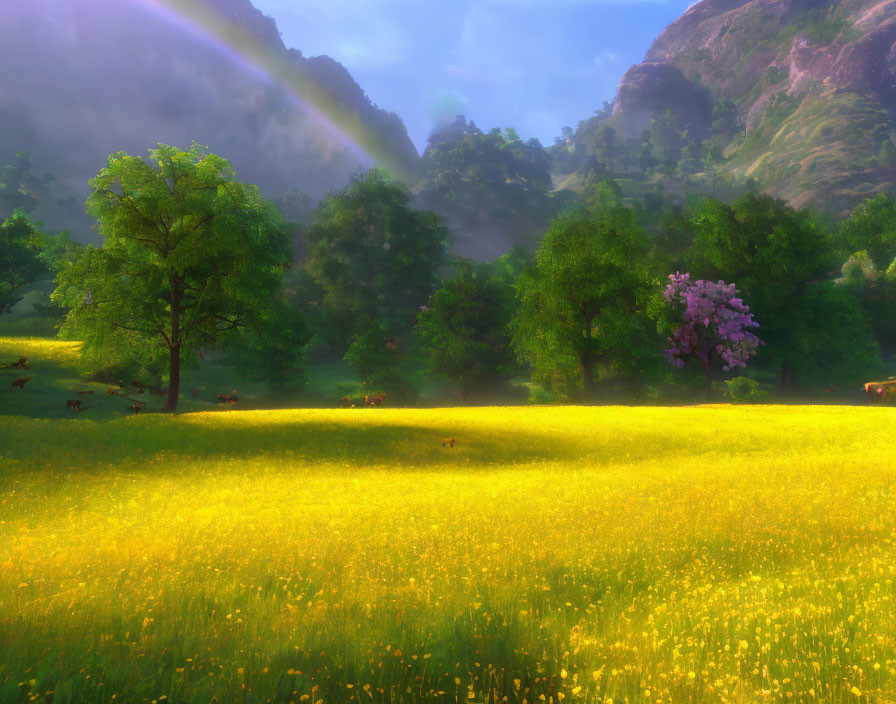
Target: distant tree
column 871, row 227
column 272, row 350
column 374, row 255
column 774, row 253
column 376, row 358
column 665, row 139
column 188, row 253
column 582, row 306
column 19, row 188
column 463, row 330
column 494, row 189
column 712, row 324
column 834, row 341
column 20, row 257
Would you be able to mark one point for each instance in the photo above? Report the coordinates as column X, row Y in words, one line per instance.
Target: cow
column 73, row 403
column 230, row 399
column 21, row 363
column 449, row 443
column 374, row 399
column 879, row 391
column 138, row 406
column 20, row 382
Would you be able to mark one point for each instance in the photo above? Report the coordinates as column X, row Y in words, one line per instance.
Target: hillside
column 813, row 89
column 155, row 73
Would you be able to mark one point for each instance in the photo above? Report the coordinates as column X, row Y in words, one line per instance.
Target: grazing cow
column 21, row 363
column 878, row 391
column 374, row 399
column 20, row 382
column 73, row 403
column 449, row 443
column 230, row 399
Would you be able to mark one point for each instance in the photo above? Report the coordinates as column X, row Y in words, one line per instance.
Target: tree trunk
column 707, row 369
column 785, row 375
column 174, row 348
column 173, row 379
column 587, row 377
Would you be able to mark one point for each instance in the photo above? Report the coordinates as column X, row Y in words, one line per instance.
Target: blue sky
column 535, row 65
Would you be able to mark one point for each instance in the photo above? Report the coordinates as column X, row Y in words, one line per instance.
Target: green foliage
column 742, row 389
column 463, row 330
column 492, row 185
column 272, row 351
column 582, row 306
column 188, row 254
column 871, row 227
column 20, row 257
column 376, row 358
column 773, row 253
column 373, row 255
column 833, row 342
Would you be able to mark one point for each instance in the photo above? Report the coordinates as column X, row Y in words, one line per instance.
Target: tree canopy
column 582, row 306
column 188, row 253
column 373, row 254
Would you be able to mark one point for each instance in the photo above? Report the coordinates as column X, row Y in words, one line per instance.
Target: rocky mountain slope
column 813, row 83
column 85, row 78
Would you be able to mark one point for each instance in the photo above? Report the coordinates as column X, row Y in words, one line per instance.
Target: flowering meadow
column 662, row 555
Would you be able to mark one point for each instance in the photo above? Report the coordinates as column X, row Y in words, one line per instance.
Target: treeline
column 192, row 261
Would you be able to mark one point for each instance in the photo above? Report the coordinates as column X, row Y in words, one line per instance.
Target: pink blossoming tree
column 713, row 322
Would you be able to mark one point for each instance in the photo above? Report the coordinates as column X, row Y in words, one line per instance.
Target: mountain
column 92, row 77
column 799, row 95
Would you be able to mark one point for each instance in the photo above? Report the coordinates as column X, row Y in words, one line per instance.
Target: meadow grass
column 701, row 554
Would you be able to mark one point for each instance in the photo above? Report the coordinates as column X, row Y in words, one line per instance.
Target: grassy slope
column 701, row 554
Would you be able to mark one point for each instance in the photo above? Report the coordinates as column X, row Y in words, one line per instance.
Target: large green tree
column 775, row 254
column 188, row 253
column 582, row 306
column 463, row 330
column 373, row 254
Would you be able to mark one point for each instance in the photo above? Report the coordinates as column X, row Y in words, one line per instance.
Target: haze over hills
column 798, row 95
column 94, row 77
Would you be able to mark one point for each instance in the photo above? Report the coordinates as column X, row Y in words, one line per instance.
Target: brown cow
column 230, row 399
column 20, row 382
column 374, row 399
column 21, row 363
column 878, row 391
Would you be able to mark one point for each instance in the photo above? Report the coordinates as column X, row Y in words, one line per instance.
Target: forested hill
column 151, row 77
column 799, row 95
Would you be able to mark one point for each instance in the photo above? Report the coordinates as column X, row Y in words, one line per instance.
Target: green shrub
column 740, row 389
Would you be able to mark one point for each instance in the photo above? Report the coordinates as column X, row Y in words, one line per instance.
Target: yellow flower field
column 703, row 554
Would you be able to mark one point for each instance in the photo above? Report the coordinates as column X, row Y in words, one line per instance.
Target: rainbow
column 197, row 18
